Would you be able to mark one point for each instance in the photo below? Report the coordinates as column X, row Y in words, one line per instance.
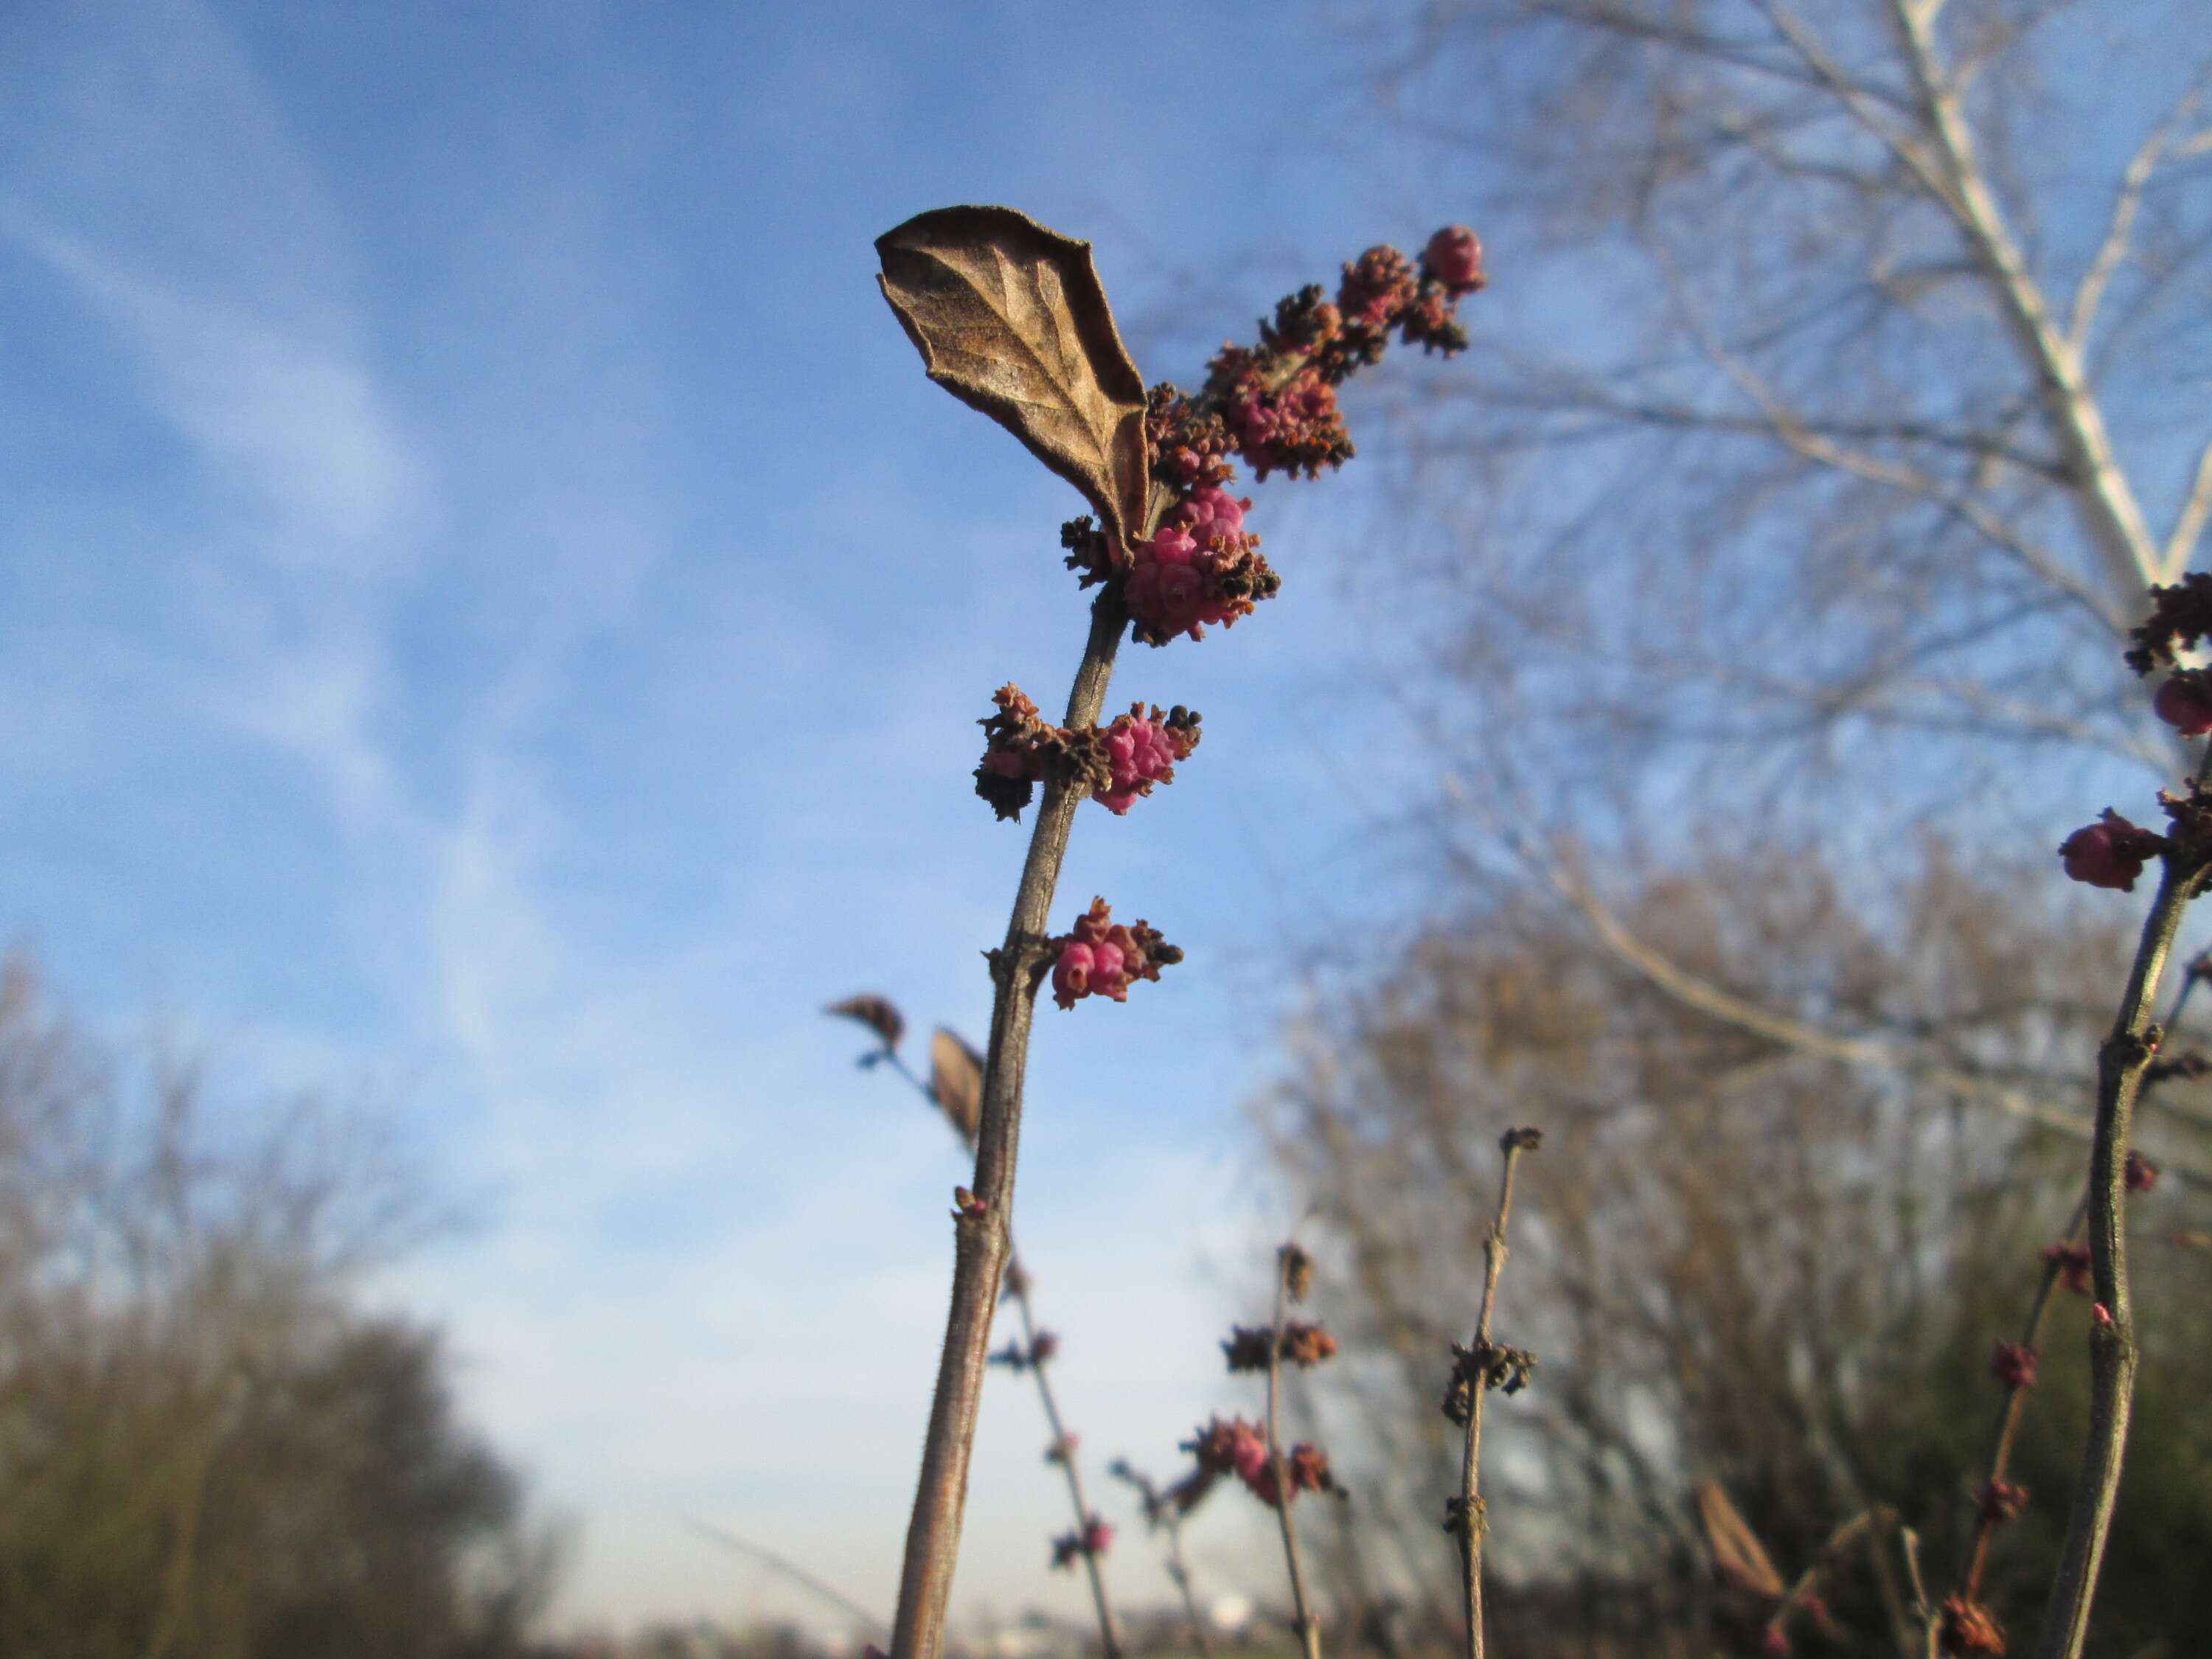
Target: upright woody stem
column 1017, row 1286
column 981, row 1233
column 2120, row 1061
column 1476, row 1367
column 1308, row 1627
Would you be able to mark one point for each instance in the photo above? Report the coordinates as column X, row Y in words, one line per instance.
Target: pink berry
column 2110, row 853
column 2185, row 704
column 1454, row 257
column 1071, row 974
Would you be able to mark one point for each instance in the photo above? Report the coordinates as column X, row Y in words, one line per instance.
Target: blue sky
column 491, row 620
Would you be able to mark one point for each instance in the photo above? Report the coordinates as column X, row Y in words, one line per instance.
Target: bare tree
column 205, row 1447
column 1847, row 376
column 1748, row 1262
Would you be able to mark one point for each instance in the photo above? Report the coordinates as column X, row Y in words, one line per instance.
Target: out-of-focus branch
column 2189, row 522
column 1702, row 994
column 2104, row 500
column 2127, row 201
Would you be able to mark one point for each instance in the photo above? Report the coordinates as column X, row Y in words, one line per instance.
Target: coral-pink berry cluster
column 1201, row 570
column 1102, row 959
column 1142, row 749
column 2110, row 853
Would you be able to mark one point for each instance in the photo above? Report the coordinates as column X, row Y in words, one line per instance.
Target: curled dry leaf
column 1010, row 318
column 879, row 1014
column 956, row 1081
column 1739, row 1561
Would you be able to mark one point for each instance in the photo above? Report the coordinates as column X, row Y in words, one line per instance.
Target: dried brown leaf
column 1739, row 1560
column 1011, row 319
column 956, row 1081
column 879, row 1014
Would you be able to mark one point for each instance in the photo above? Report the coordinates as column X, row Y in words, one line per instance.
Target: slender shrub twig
column 2122, row 1060
column 1481, row 1366
column 1302, row 1607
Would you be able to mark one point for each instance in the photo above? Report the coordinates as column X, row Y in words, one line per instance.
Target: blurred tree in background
column 1840, row 396
column 207, row 1448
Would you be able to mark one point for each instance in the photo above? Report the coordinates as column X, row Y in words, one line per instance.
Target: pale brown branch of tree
column 1698, row 43
column 1783, row 423
column 981, row 1237
column 2121, row 1062
column 2189, row 522
column 1475, row 1369
column 2104, row 499
column 1707, row 998
column 1302, row 1609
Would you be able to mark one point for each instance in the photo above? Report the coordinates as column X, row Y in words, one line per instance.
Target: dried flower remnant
column 2012, row 1363
column 1235, row 1447
column 1096, row 1538
column 1307, row 1467
column 879, row 1014
column 1964, row 1629
column 2110, row 853
column 1298, row 1273
column 2071, row 1263
column 1999, row 1501
column 1018, row 1356
column 1304, row 1345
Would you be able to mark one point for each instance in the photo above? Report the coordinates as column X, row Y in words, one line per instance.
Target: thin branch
column 2120, row 1061
column 2127, row 201
column 1309, row 1626
column 2104, row 500
column 1063, row 1453
column 2189, row 522
column 1702, row 994
column 1481, row 1366
column 790, row 1569
column 1164, row 1513
column 1990, row 1500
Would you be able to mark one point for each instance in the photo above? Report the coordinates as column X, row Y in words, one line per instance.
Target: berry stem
column 1308, row 1627
column 981, row 1243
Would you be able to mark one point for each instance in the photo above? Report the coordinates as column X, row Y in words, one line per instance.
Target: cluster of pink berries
column 1103, row 958
column 1202, row 569
column 1142, row 748
column 1096, row 1538
column 1113, row 764
column 1274, row 405
column 1240, row 1449
column 2113, row 852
